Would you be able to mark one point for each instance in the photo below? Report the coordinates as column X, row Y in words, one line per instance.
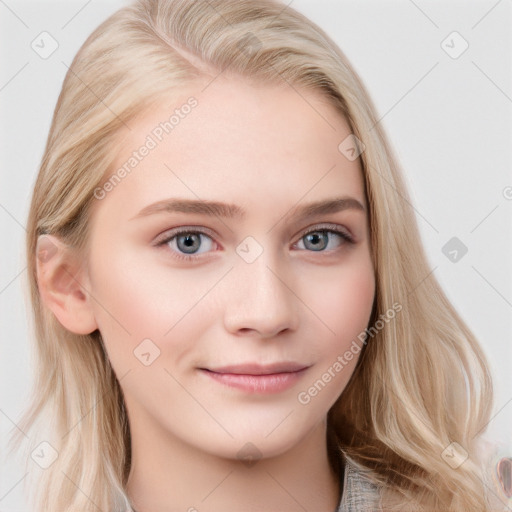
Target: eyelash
column 167, row 237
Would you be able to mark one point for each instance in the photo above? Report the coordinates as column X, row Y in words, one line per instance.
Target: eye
column 191, row 243
column 322, row 240
column 187, row 243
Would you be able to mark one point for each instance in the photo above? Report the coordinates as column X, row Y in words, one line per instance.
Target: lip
column 256, row 378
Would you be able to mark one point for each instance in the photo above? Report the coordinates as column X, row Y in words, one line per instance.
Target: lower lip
column 272, row 383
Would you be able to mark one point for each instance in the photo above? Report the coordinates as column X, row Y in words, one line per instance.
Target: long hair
column 421, row 385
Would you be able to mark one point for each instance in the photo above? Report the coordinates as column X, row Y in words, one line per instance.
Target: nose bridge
column 260, row 298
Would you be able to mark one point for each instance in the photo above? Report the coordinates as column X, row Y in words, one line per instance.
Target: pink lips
column 255, row 378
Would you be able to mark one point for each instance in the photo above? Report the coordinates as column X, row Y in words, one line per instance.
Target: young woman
column 232, row 306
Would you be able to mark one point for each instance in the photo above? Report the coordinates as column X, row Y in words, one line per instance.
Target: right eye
column 186, row 242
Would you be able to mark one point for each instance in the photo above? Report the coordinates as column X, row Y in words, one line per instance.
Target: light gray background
column 448, row 119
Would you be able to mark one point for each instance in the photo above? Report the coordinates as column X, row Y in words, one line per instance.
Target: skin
column 268, row 150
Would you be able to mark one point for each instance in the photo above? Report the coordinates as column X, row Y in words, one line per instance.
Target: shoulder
column 360, row 493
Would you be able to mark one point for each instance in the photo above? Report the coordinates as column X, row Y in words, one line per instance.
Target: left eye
column 321, row 240
column 190, row 243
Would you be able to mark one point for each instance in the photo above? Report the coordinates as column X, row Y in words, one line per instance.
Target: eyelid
column 164, row 237
column 325, row 226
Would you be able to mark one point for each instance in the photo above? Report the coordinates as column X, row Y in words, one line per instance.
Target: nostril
column 261, row 332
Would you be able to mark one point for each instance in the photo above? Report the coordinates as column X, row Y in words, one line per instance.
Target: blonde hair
column 421, row 383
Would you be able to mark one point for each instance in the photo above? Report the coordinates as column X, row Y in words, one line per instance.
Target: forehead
column 237, row 140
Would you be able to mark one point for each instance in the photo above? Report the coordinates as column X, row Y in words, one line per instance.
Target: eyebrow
column 218, row 209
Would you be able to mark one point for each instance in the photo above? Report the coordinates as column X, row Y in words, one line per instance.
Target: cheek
column 345, row 301
column 135, row 302
column 344, row 305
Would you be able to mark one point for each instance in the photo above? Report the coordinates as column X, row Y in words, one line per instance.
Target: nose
column 259, row 300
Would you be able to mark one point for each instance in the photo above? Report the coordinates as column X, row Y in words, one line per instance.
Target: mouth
column 256, row 378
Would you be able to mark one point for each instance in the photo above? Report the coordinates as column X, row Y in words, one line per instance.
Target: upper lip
column 259, row 369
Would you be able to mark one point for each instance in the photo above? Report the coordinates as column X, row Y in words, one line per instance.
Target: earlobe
column 62, row 285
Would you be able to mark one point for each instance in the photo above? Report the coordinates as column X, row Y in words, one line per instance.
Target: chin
column 256, row 442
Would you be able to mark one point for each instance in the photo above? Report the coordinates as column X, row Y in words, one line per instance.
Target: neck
column 168, row 475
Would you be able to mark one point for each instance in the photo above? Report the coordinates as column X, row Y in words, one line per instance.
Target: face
column 230, row 267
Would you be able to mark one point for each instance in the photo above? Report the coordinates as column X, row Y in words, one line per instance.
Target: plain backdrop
column 446, row 108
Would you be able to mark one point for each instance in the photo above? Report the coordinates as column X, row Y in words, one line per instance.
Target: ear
column 63, row 285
